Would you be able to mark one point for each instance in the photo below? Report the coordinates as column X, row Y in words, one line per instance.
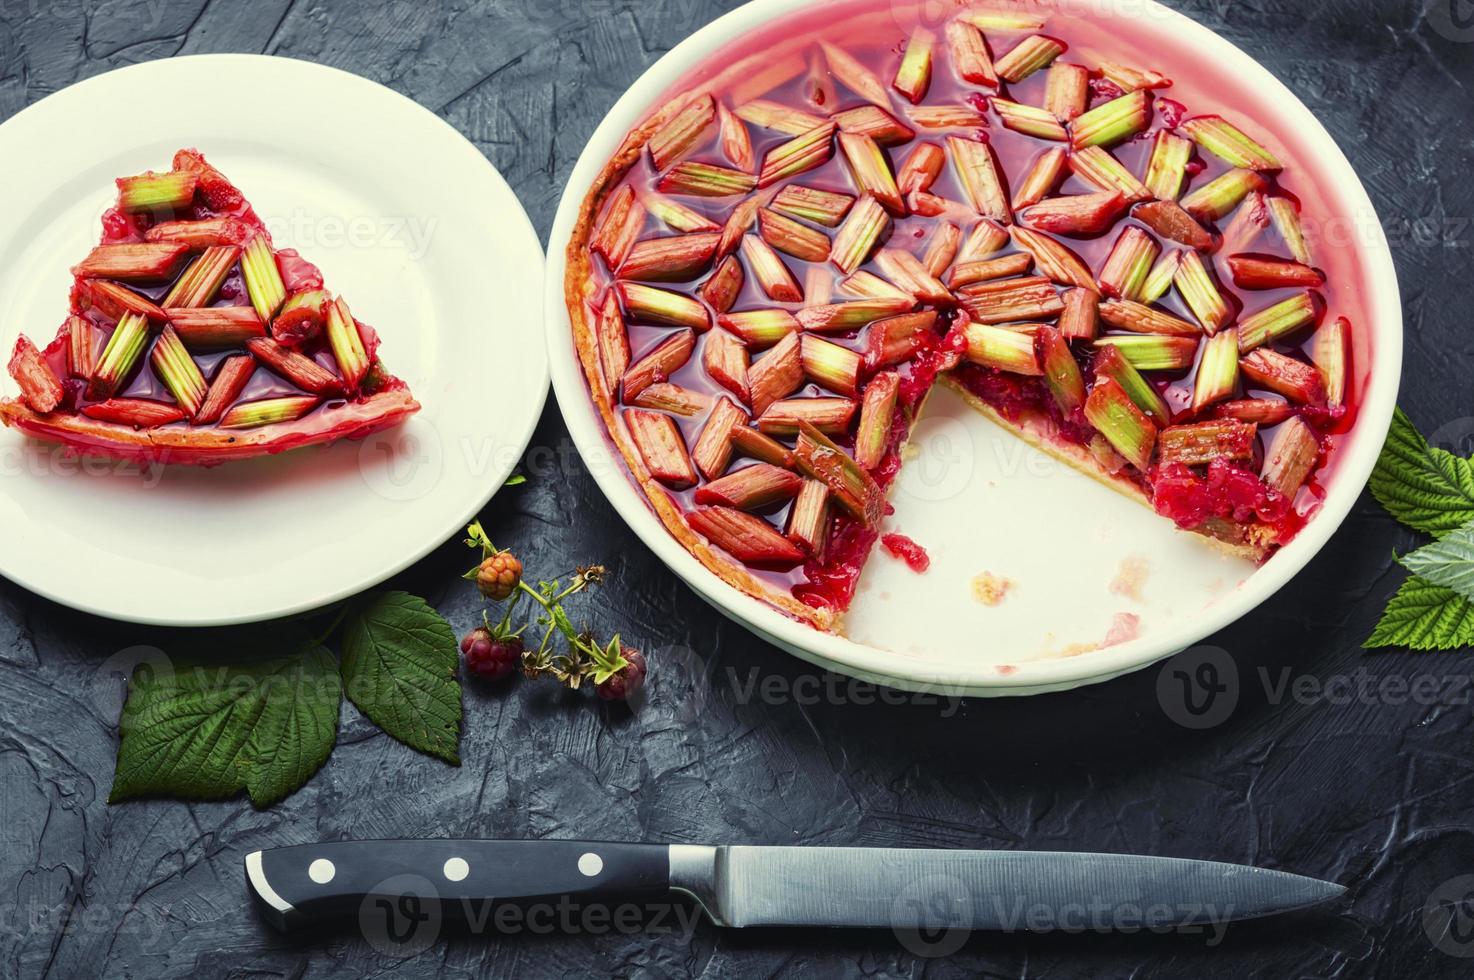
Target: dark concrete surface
column 1374, row 790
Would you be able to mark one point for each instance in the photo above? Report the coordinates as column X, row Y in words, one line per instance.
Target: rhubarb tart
column 808, row 234
column 192, row 339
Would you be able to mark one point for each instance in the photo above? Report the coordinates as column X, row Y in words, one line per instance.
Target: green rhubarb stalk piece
column 876, row 123
column 858, row 237
column 791, row 237
column 1286, row 217
column 268, row 411
column 203, row 279
column 1218, row 371
column 705, row 180
column 1111, row 363
column 1160, row 279
column 777, row 374
column 852, row 488
column 1277, row 321
column 1061, row 370
column 831, row 416
column 1201, row 293
column 913, row 75
column 669, row 212
column 1229, row 143
column 1042, row 179
column 1200, row 443
column 1291, row 457
column 997, row 347
column 808, row 519
column 346, row 341
column 871, row 171
column 1130, row 262
column 854, row 75
column 1261, row 411
column 1221, row 195
column 1117, row 418
column 178, row 371
column 760, row 329
column 683, row 131
column 970, row 55
column 830, row 365
column 1330, row 352
column 119, row 357
column 978, row 171
column 870, row 286
column 1008, row 20
column 202, row 233
column 1113, row 122
column 1032, row 54
column 826, row 208
column 877, row 413
column 778, row 117
column 153, row 191
column 1129, row 79
column 1166, row 168
column 852, row 314
column 1029, row 120
column 263, row 278
column 1154, row 352
column 651, row 304
column 804, row 152
column 1099, row 167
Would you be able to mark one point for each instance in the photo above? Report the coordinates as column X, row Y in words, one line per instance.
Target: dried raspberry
column 498, row 576
column 491, row 658
column 630, row 678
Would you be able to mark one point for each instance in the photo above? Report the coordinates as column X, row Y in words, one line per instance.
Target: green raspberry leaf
column 1425, row 488
column 207, row 731
column 399, row 665
column 1448, row 562
column 1424, row 616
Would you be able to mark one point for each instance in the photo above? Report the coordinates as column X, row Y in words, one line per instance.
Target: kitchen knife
column 741, row 886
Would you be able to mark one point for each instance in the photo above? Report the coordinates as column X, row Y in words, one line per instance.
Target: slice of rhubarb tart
column 786, row 256
column 191, row 339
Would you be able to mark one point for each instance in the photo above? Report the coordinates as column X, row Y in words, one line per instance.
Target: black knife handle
column 316, row 882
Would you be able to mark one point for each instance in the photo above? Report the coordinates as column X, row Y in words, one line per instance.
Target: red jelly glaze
column 913, row 554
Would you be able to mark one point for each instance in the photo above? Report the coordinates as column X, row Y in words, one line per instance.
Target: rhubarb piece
column 1079, row 320
column 921, row 169
column 1291, row 457
column 754, row 487
column 137, row 412
column 229, row 381
column 178, row 371
column 769, row 271
column 985, row 239
column 877, row 412
column 1277, row 321
column 661, row 447
column 1029, row 120
column 778, row 117
column 996, row 347
column 650, row 304
column 725, row 360
column 1261, row 411
column 750, row 540
column 1170, row 220
column 907, row 272
column 299, row 320
column 624, row 217
column 707, row 180
column 826, row 208
column 1117, row 418
column 724, row 285
column 791, row 237
column 986, row 270
column 871, row 286
column 262, row 275
column 830, row 365
column 942, row 249
column 1067, row 93
column 614, row 340
column 871, row 171
column 1054, row 260
column 1166, row 169
column 851, row 486
column 683, row 132
column 808, row 519
column 760, row 329
column 818, row 286
column 1011, row 20
column 978, row 171
column 201, row 234
column 151, row 191
column 898, row 338
column 1111, row 363
column 1077, row 214
column 852, row 315
column 713, row 450
column 669, row 212
column 1006, row 300
column 1061, row 371
column 1283, row 375
column 1218, row 371
column 861, row 232
column 81, row 347
column 818, row 84
column 675, row 258
column 663, row 360
column 1032, row 54
column 804, row 152
column 854, row 75
column 302, row 371
column 1129, row 79
column 913, row 75
column 1253, row 272
column 1229, row 144
column 666, row 397
column 1286, row 217
column 203, row 279
column 268, row 411
column 874, row 122
column 1249, row 222
column 151, row 262
column 1112, row 122
column 969, row 54
column 1203, row 442
column 1042, row 178
column 947, row 117
column 1330, row 352
column 1201, row 293
column 736, row 143
column 1099, row 167
column 777, row 374
column 751, row 443
column 39, row 385
column 115, row 300
column 1154, row 352
column 831, row 416
column 1221, row 195
column 1159, row 280
column 739, row 222
column 119, row 357
column 1127, row 267
column 1140, row 318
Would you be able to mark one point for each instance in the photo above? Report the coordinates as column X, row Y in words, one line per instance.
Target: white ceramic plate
column 978, row 499
column 405, row 217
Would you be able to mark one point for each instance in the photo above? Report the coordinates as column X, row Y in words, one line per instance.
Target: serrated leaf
column 1424, row 616
column 207, row 731
column 1426, row 488
column 1448, row 562
column 399, row 664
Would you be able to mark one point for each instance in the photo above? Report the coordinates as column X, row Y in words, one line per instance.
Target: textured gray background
column 1369, row 791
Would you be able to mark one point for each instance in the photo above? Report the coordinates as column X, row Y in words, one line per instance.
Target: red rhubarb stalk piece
column 1031, row 54
column 1006, row 300
column 81, row 347
column 1117, row 418
column 970, row 55
column 874, row 122
column 1042, row 180
column 1330, row 352
column 683, row 131
column 39, row 385
column 1291, row 457
column 896, row 339
column 777, row 374
column 854, row 75
column 871, row 171
column 229, row 381
column 673, row 399
column 300, row 319
column 792, row 237
column 852, row 488
column 723, row 286
column 736, row 143
column 1255, row 272
column 650, row 304
column 624, row 217
column 1061, row 371
column 978, row 170
column 115, row 300
column 1067, row 93
column 877, row 412
column 822, row 207
column 136, row 412
column 831, row 416
column 1080, row 318
column 725, row 359
column 713, row 450
column 674, row 258
column 216, row 327
column 1201, row 443
column 706, row 180
column 1283, row 375
column 1078, row 214
column 660, row 445
column 664, row 360
column 201, row 234
column 770, row 271
column 613, row 339
column 751, row 540
column 1170, row 220
column 302, row 371
column 1054, row 260
column 752, row 487
column 150, row 262
column 808, row 519
column 1262, row 411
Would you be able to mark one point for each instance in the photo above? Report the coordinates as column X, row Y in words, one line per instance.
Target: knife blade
column 741, row 886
